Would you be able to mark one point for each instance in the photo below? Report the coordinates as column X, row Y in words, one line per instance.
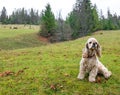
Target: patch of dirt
column 98, row 32
column 44, row 39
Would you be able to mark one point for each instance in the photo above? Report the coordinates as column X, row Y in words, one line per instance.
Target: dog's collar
column 91, row 56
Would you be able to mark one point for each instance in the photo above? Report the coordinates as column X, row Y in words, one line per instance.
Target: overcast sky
column 65, row 6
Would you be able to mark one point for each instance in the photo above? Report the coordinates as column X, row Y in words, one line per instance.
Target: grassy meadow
column 31, row 67
column 22, row 37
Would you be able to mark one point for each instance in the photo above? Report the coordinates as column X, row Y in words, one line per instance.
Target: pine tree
column 81, row 18
column 48, row 22
column 96, row 22
column 86, row 17
column 4, row 17
column 110, row 25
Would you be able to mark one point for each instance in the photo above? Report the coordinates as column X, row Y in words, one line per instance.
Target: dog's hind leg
column 102, row 69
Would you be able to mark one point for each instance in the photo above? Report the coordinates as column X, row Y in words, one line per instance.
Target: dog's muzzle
column 93, row 46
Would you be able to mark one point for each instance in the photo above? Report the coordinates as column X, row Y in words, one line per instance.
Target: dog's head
column 93, row 46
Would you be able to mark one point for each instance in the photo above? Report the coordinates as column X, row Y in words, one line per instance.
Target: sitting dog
column 90, row 62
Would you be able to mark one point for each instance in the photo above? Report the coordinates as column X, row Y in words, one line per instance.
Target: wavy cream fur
column 90, row 62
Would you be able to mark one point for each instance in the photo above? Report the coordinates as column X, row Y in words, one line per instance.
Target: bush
column 63, row 32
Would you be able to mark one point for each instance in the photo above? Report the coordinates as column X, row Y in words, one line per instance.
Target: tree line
column 20, row 16
column 82, row 20
column 85, row 19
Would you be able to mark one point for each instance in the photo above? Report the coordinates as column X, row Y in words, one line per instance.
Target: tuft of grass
column 53, row 69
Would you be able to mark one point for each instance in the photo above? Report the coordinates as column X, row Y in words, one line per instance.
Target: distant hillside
column 20, row 37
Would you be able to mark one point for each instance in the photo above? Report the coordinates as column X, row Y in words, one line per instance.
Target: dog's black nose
column 93, row 45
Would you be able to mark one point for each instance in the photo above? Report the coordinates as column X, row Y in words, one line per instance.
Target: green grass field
column 52, row 69
column 24, row 36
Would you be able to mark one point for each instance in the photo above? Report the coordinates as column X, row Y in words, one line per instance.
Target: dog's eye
column 95, row 43
column 90, row 42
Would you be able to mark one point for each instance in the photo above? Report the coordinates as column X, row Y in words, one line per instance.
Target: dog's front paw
column 91, row 79
column 80, row 77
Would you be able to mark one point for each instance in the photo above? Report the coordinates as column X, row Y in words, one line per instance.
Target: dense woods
column 82, row 20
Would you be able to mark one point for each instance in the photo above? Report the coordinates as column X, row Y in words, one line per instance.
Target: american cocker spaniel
column 90, row 62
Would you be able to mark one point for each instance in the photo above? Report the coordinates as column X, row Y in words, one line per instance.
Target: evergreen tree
column 83, row 18
column 32, row 16
column 116, row 21
column 48, row 22
column 96, row 22
column 4, row 17
column 110, row 25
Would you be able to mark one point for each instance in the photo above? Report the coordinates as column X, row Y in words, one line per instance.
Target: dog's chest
column 89, row 64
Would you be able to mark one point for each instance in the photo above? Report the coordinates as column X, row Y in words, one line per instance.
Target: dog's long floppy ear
column 98, row 51
column 85, row 51
column 86, row 45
